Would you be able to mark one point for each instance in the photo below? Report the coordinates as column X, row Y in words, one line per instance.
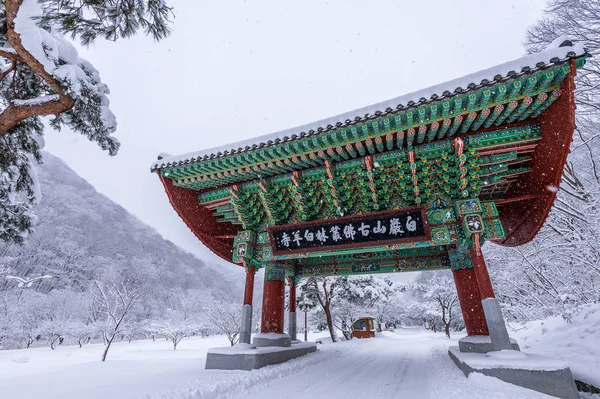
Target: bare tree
column 437, row 287
column 114, row 301
column 225, row 316
column 317, row 287
column 173, row 331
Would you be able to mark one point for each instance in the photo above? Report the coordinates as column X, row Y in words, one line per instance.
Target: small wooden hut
column 364, row 327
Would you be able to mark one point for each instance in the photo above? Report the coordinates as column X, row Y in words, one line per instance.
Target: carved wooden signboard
column 379, row 228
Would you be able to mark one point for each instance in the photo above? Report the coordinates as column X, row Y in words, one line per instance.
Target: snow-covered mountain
column 82, row 234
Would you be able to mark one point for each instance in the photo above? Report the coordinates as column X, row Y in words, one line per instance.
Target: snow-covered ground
column 410, row 363
column 577, row 342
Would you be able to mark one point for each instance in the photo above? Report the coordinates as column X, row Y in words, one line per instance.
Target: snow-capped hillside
column 82, row 233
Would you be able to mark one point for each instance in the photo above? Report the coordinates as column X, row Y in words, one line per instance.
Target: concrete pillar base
column 271, row 339
column 246, row 326
column 246, row 357
column 292, row 326
column 481, row 344
column 496, row 325
column 539, row 373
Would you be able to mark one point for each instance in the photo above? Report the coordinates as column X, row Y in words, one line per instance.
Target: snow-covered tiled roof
column 559, row 51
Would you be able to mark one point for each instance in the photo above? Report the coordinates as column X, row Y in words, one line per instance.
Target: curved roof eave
column 555, row 53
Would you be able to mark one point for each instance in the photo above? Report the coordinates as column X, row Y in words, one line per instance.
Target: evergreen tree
column 42, row 74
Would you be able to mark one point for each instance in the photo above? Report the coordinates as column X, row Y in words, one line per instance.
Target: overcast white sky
column 236, row 69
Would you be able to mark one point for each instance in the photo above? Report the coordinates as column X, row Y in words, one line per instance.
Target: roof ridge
column 559, row 51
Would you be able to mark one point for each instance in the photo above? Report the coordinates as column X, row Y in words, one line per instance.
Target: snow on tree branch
column 89, row 19
column 41, row 73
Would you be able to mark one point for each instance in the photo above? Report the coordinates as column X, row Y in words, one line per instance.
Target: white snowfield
column 410, row 363
column 576, row 342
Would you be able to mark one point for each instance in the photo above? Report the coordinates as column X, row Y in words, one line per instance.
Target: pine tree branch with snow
column 42, row 74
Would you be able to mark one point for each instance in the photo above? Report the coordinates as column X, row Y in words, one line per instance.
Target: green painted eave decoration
column 352, row 187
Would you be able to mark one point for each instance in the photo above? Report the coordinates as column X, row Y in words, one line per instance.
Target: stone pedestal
column 271, row 339
column 481, row 344
column 272, row 345
column 246, row 327
column 539, row 373
column 249, row 357
column 292, row 326
column 496, row 326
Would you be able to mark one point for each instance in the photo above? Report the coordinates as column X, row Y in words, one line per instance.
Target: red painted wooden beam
column 200, row 220
column 523, row 219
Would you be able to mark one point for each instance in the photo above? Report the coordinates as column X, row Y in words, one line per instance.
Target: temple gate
column 419, row 182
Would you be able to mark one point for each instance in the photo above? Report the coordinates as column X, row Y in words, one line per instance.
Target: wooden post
column 470, row 301
column 481, row 273
column 246, row 326
column 494, row 320
column 249, row 287
column 273, row 300
column 292, row 312
column 292, row 295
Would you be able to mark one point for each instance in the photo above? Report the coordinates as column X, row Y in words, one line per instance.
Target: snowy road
column 379, row 368
column 410, row 363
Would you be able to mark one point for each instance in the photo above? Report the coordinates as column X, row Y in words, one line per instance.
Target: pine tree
column 42, row 74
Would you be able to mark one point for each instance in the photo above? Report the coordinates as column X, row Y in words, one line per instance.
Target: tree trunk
column 329, row 322
column 447, row 328
column 108, row 343
column 13, row 114
column 53, row 340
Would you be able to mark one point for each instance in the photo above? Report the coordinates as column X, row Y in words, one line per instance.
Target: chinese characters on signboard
column 346, row 232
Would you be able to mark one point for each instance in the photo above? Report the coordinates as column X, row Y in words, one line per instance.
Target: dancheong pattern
column 455, row 157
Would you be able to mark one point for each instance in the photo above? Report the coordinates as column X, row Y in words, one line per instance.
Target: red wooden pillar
column 292, row 313
column 292, row 295
column 470, row 301
column 246, row 326
column 273, row 300
column 481, row 273
column 472, row 285
column 249, row 287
